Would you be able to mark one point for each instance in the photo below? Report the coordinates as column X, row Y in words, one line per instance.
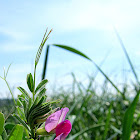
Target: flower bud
column 43, row 132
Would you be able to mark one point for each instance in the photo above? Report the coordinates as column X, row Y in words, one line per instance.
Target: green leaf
column 29, row 104
column 21, row 113
column 19, row 103
column 41, row 85
column 25, row 93
column 2, row 120
column 4, row 134
column 40, row 110
column 32, row 107
column 26, row 135
column 36, row 104
column 25, row 107
column 30, row 82
column 42, row 93
column 72, row 50
column 0, row 138
column 17, row 133
column 21, row 121
column 128, row 118
column 9, row 126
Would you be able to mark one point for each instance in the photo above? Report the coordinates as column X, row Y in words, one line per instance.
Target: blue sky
column 86, row 25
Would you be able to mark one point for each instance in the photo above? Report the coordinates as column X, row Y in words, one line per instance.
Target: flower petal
column 52, row 121
column 61, row 137
column 58, row 137
column 63, row 128
column 63, row 114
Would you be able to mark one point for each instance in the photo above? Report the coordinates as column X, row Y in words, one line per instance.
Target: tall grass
column 97, row 116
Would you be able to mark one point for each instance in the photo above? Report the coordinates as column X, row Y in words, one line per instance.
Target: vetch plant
column 55, row 124
column 33, row 111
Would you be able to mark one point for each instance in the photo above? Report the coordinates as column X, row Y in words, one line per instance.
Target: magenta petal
column 61, row 137
column 63, row 114
column 58, row 137
column 52, row 121
column 63, row 128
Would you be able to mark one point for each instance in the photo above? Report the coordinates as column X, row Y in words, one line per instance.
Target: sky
column 87, row 25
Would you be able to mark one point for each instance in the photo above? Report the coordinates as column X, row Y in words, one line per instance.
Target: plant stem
column 34, row 83
column 10, row 91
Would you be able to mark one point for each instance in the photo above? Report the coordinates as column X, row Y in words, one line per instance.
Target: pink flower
column 55, row 122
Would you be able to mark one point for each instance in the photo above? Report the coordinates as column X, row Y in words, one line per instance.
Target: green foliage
column 24, row 92
column 2, row 120
column 107, row 122
column 84, row 131
column 22, row 122
column 128, row 118
column 89, row 109
column 41, row 85
column 17, row 133
column 9, row 126
column 30, row 82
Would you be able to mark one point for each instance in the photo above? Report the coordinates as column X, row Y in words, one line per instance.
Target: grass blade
column 72, row 50
column 128, row 118
column 85, row 130
column 127, row 56
column 108, row 79
column 107, row 122
column 45, row 63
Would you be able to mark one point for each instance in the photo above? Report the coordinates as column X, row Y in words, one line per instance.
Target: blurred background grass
column 89, row 111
